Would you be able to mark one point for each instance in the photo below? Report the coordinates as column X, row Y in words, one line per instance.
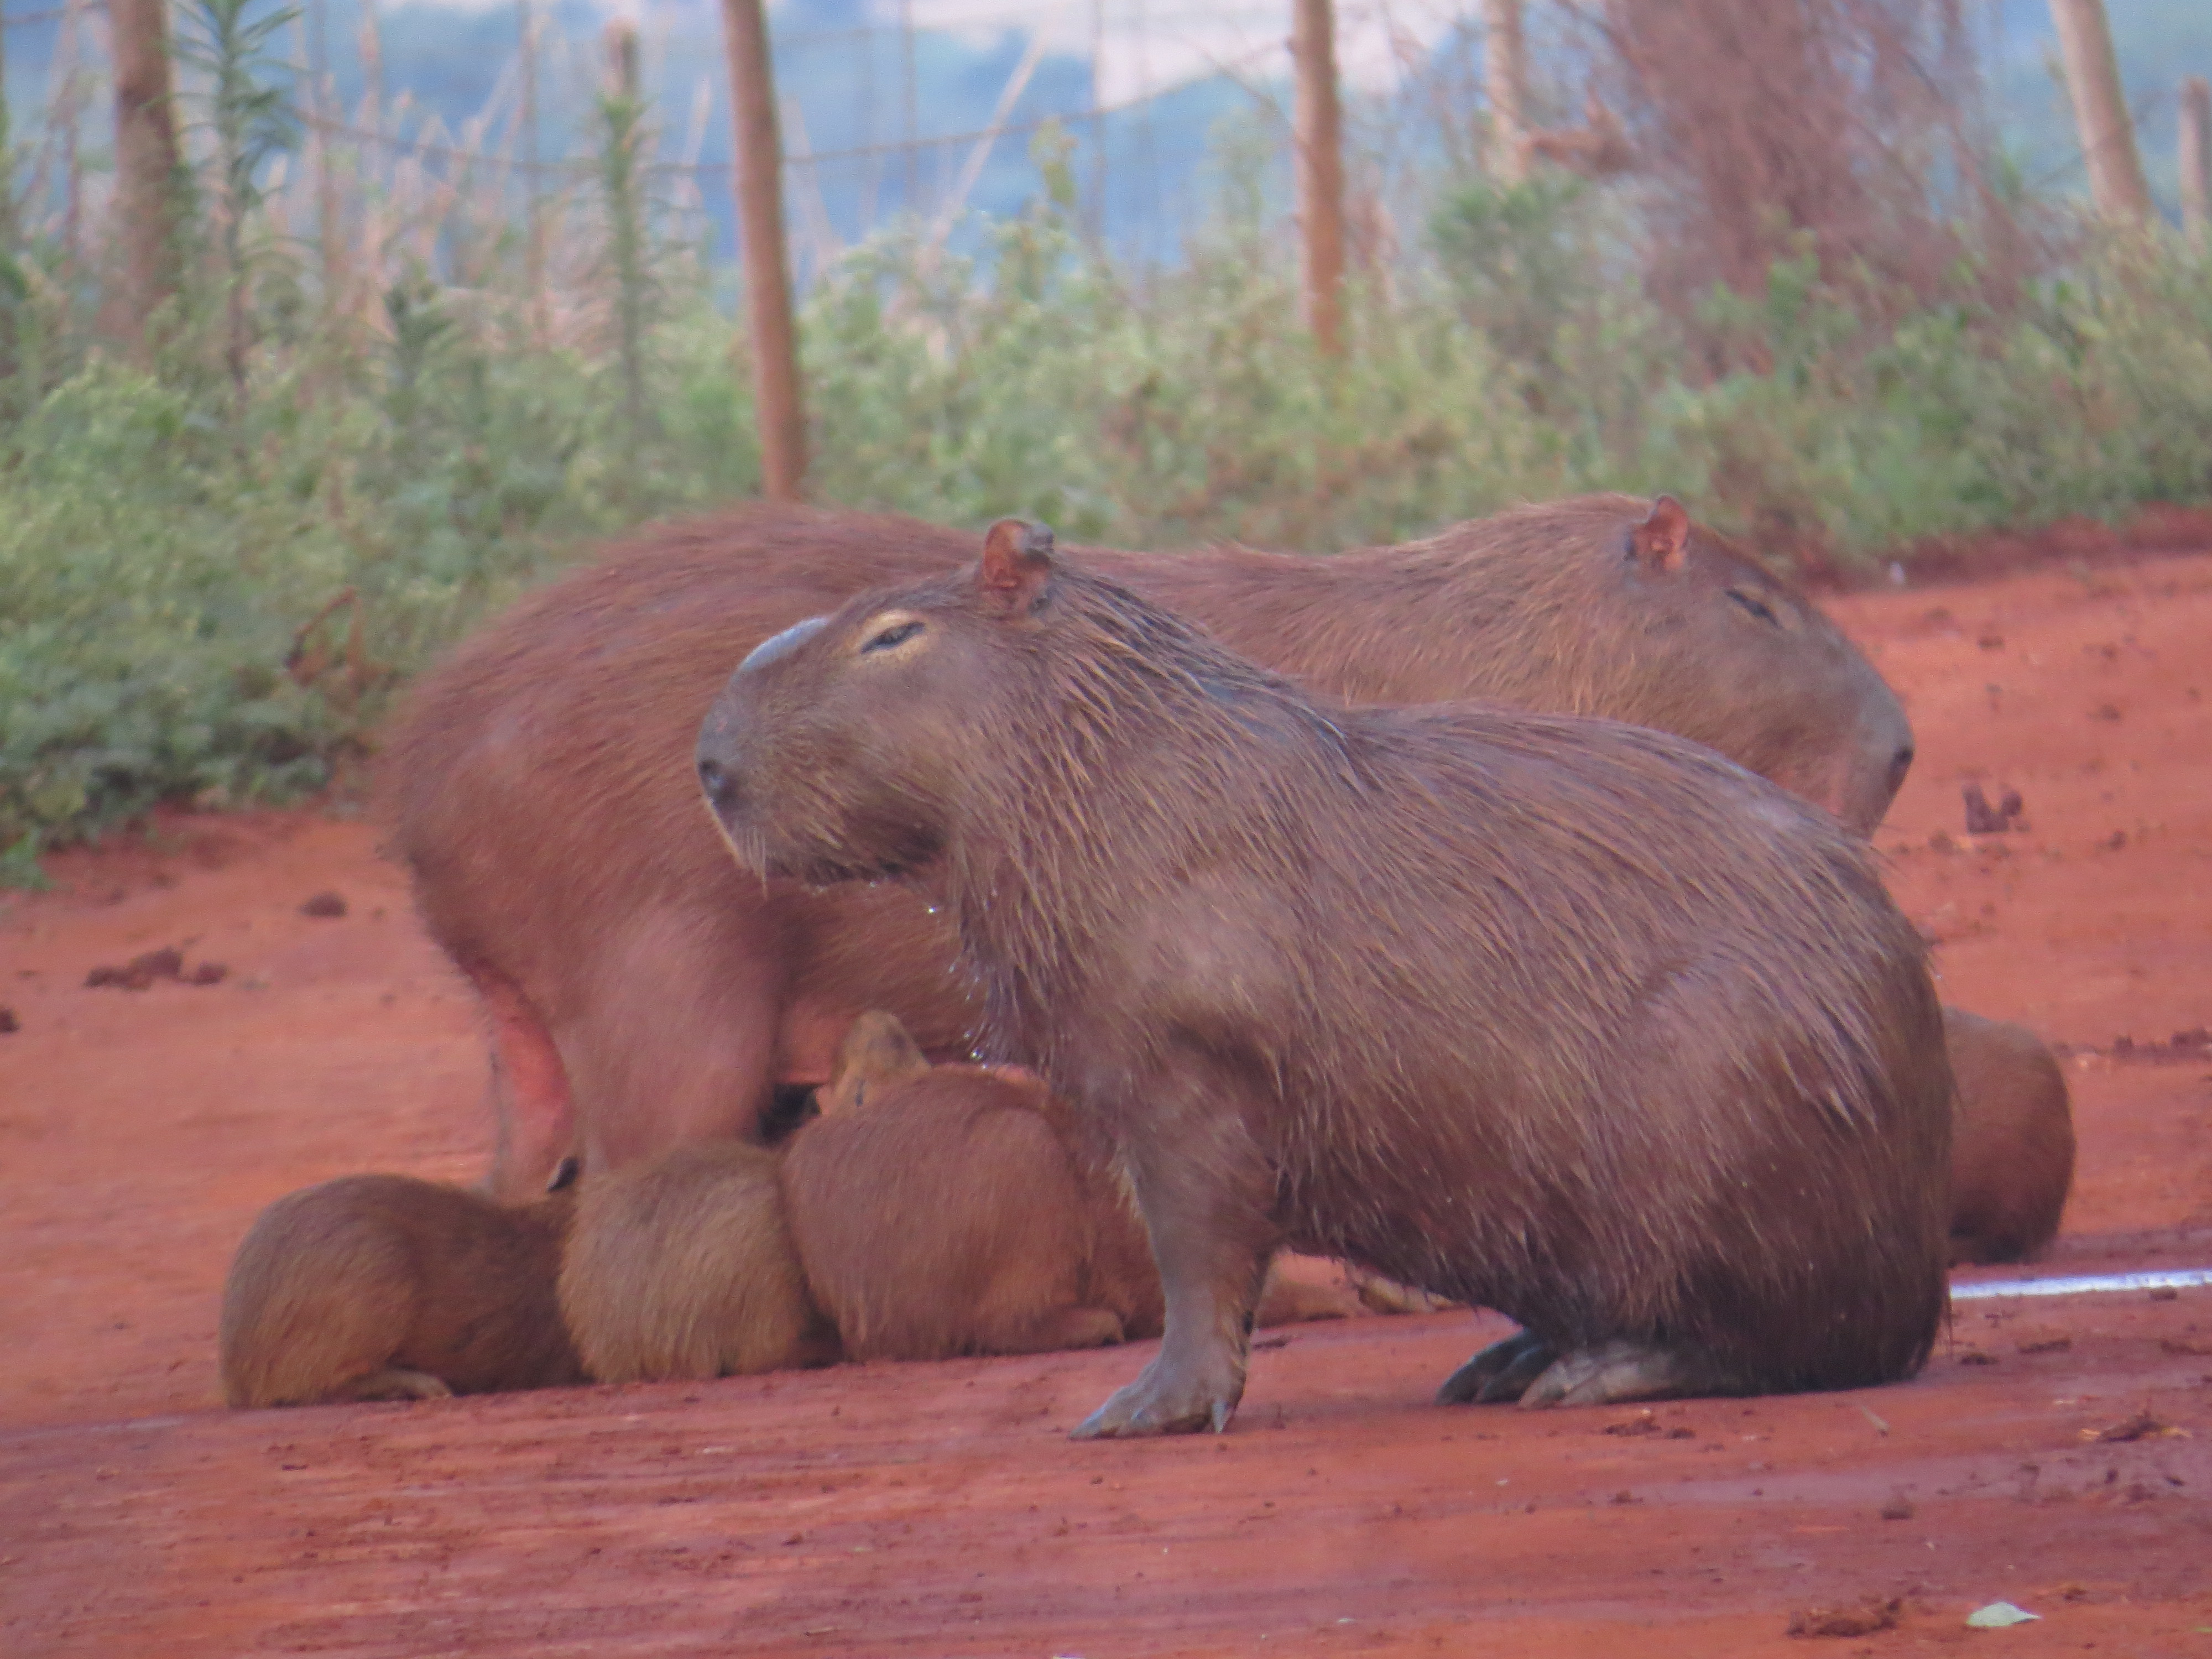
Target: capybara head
column 876, row 1053
column 842, row 764
column 1758, row 674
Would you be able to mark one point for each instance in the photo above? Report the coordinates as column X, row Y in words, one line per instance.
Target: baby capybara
column 384, row 1287
column 541, row 790
column 939, row 1211
column 1565, row 1018
column 2012, row 1141
column 682, row 1266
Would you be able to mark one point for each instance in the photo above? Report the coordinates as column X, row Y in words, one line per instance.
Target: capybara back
column 2012, row 1141
column 682, row 1266
column 1563, row 1016
column 382, row 1286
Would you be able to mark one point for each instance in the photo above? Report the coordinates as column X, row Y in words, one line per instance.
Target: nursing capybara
column 1562, row 1017
column 682, row 1266
column 945, row 1210
column 384, row 1287
column 2012, row 1141
column 540, row 787
column 938, row 1211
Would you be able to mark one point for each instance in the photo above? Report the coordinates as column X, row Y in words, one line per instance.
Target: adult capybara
column 541, row 792
column 1563, row 1016
column 682, row 1266
column 2012, row 1141
column 384, row 1287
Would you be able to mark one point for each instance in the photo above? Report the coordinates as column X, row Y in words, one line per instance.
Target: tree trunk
column 2196, row 159
column 1318, row 136
column 1505, row 73
column 2108, row 136
column 778, row 412
column 148, row 182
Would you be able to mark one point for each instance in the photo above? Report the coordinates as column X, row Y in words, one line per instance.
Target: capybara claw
column 1146, row 1407
column 1499, row 1373
column 1624, row 1370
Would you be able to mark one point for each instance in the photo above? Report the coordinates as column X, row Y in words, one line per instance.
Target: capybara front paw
column 1499, row 1373
column 1162, row 1404
column 1614, row 1372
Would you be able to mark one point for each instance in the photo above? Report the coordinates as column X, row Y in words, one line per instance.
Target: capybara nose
column 719, row 783
column 1899, row 764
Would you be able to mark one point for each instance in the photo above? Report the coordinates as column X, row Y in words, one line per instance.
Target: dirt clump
column 1696, row 1140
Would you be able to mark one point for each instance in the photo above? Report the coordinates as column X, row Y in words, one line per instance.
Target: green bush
column 164, row 539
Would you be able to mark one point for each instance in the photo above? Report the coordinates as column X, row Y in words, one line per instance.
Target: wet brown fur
column 644, row 993
column 938, row 1211
column 682, row 1266
column 1565, row 1018
column 384, row 1287
column 2012, row 1141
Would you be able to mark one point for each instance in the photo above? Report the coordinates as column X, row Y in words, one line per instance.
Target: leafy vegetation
column 217, row 566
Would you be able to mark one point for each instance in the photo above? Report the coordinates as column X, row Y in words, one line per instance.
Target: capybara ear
column 877, row 1051
column 1661, row 542
column 1017, row 565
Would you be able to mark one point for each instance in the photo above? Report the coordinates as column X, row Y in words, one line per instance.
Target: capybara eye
column 897, row 634
column 1755, row 604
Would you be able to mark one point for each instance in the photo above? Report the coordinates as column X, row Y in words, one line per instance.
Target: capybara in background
column 682, row 1266
column 939, row 1211
column 1562, row 1017
column 385, row 1287
column 2012, row 1141
column 540, row 784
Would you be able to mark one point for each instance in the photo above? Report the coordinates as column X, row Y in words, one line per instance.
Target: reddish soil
column 931, row 1510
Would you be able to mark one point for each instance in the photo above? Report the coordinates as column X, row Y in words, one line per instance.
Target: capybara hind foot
column 1498, row 1373
column 1164, row 1400
column 1062, row 1327
column 1624, row 1370
column 394, row 1382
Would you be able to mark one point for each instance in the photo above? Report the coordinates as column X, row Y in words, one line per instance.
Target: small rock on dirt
column 208, row 973
column 1864, row 1620
column 329, row 906
column 1999, row 1615
column 2142, row 1426
column 1898, row 1509
column 140, row 972
column 8, row 1023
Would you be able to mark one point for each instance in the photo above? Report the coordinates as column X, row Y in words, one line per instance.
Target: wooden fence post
column 1317, row 132
column 778, row 412
column 2117, row 184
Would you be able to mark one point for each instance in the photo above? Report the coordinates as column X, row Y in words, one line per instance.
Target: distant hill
column 839, row 64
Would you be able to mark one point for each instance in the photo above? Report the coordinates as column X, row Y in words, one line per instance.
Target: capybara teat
column 682, row 1267
column 2012, row 1141
column 1562, row 1017
column 385, row 1287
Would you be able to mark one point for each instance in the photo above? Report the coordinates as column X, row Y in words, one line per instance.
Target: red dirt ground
column 939, row 1510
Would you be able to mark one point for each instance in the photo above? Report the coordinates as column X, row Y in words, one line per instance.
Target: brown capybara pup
column 945, row 1210
column 2012, row 1141
column 682, row 1266
column 384, row 1287
column 1565, row 1018
column 939, row 1211
column 643, row 993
